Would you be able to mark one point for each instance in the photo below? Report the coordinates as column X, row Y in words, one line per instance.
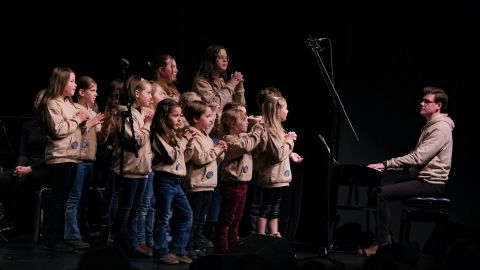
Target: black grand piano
column 352, row 177
column 355, row 176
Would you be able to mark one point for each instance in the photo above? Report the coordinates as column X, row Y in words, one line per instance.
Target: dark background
column 383, row 55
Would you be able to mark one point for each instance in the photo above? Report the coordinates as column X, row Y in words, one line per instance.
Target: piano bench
column 423, row 209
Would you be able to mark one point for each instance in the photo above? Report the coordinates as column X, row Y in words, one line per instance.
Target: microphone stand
column 314, row 45
column 124, row 115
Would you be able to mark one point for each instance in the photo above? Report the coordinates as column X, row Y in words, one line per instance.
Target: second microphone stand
column 337, row 107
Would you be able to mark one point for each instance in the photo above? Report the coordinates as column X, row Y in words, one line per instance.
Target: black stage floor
column 21, row 254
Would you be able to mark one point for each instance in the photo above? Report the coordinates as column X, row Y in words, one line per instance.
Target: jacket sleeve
column 427, row 148
column 200, row 156
column 141, row 129
column 58, row 126
column 209, row 95
column 278, row 148
column 240, row 146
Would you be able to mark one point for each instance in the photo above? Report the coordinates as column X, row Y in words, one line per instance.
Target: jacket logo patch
column 286, row 173
column 84, row 144
column 74, row 145
column 245, row 169
column 209, row 174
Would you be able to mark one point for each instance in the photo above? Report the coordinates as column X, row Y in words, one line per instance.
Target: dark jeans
column 200, row 202
column 233, row 202
column 130, row 199
column 62, row 176
column 397, row 192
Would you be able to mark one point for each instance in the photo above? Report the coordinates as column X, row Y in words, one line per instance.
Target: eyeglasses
column 427, row 101
column 223, row 58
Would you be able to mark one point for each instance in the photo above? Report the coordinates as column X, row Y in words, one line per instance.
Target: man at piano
column 428, row 163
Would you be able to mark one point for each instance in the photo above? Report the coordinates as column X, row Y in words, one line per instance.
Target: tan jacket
column 135, row 167
column 238, row 164
column 218, row 93
column 88, row 142
column 432, row 157
column 174, row 163
column 63, row 132
column 274, row 170
column 201, row 157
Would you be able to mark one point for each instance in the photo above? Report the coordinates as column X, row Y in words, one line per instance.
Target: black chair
column 43, row 194
column 424, row 209
column 3, row 226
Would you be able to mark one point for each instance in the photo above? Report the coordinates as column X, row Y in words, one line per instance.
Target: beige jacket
column 135, row 167
column 88, row 142
column 201, row 157
column 274, row 168
column 63, row 132
column 174, row 162
column 238, row 164
column 431, row 159
column 218, row 93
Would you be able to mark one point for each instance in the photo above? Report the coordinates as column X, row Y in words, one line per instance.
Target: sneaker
column 166, row 259
column 140, row 253
column 371, row 250
column 184, row 259
column 77, row 243
column 276, row 235
column 146, row 248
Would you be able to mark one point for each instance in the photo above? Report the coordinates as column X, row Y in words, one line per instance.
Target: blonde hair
column 157, row 87
column 270, row 108
column 230, row 118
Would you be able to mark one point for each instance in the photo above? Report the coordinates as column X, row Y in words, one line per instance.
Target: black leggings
column 272, row 198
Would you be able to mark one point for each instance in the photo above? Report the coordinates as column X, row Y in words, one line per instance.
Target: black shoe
column 77, row 243
column 195, row 254
column 58, row 247
column 204, row 242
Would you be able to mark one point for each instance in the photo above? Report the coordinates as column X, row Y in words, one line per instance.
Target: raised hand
column 291, row 136
column 296, row 157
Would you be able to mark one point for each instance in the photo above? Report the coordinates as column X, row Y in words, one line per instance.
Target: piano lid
column 348, row 174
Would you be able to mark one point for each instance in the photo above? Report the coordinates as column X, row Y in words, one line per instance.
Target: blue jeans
column 75, row 212
column 113, row 206
column 146, row 217
column 170, row 199
column 130, row 198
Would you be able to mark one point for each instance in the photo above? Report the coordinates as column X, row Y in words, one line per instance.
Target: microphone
column 324, row 143
column 311, row 39
column 124, row 62
column 313, row 43
column 326, row 147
